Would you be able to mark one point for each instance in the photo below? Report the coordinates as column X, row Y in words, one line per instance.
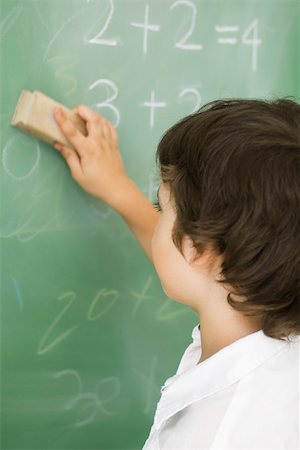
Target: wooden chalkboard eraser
column 34, row 114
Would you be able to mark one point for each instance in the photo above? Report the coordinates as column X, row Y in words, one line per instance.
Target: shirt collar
column 225, row 367
column 196, row 334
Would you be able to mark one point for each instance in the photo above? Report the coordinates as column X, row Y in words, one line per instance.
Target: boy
column 226, row 243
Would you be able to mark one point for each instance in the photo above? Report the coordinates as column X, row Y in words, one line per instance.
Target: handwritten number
column 12, row 147
column 98, row 38
column 62, row 72
column 111, row 294
column 254, row 41
column 182, row 44
column 43, row 346
column 196, row 94
column 107, row 103
column 74, row 374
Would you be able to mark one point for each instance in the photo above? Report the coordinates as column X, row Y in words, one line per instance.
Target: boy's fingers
column 105, row 130
column 71, row 158
column 96, row 123
column 114, row 134
column 70, row 131
column 86, row 113
column 109, row 130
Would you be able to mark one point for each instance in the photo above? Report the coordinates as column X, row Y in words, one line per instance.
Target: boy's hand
column 96, row 165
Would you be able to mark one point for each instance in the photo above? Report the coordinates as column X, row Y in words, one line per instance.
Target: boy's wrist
column 122, row 192
column 136, row 209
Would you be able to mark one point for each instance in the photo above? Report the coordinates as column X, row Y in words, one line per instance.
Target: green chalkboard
column 88, row 335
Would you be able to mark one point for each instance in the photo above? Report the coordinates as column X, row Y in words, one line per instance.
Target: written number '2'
column 182, row 44
column 98, row 38
column 108, row 297
column 42, row 348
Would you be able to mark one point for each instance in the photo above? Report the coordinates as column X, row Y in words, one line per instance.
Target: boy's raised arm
column 97, row 167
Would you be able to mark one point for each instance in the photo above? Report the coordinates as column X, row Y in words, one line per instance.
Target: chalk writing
column 183, row 44
column 254, row 41
column 12, row 146
column 143, row 65
column 98, row 38
column 146, row 27
column 18, row 293
column 108, row 298
column 9, row 21
column 150, row 388
column 107, row 103
column 43, row 346
column 88, row 404
column 152, row 105
column 142, row 296
column 61, row 73
column 78, row 383
column 107, row 390
column 58, row 32
column 227, row 29
column 192, row 92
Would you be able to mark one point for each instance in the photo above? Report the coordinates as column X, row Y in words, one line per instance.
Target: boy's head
column 230, row 197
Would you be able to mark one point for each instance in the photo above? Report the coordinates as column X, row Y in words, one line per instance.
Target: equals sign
column 226, row 29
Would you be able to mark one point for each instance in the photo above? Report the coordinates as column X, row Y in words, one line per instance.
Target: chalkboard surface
column 88, row 335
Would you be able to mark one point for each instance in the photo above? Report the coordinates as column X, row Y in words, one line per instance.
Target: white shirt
column 245, row 396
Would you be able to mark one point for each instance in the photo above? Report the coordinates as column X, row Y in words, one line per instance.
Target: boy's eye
column 157, row 206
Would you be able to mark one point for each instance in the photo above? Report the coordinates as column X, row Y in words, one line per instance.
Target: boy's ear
column 193, row 259
column 189, row 251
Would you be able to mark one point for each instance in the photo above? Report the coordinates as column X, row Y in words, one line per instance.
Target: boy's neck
column 215, row 338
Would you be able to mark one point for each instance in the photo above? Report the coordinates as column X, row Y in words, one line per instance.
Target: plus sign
column 146, row 26
column 152, row 104
column 142, row 296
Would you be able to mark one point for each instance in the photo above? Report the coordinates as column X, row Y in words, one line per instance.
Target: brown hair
column 233, row 169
